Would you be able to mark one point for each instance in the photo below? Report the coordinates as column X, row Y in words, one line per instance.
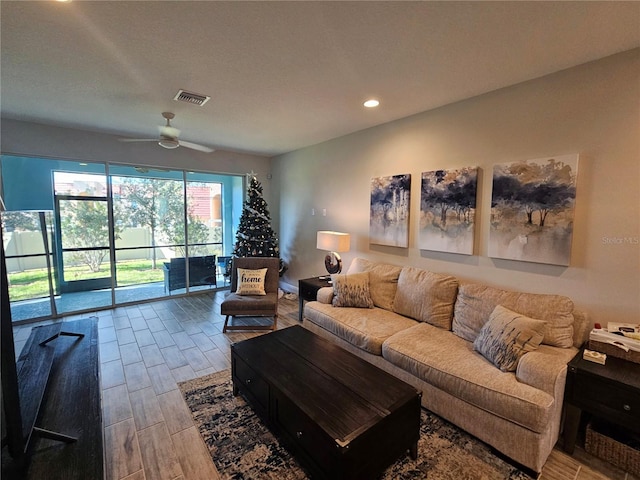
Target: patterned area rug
column 243, row 448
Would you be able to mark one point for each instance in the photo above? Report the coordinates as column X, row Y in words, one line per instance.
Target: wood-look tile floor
column 146, row 349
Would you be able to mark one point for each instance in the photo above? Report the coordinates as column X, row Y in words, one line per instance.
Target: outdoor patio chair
column 202, row 271
column 224, row 264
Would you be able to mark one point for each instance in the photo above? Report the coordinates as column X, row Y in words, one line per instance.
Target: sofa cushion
column 248, row 303
column 426, row 296
column 475, row 303
column 450, row 364
column 351, row 290
column 383, row 280
column 366, row 329
column 507, row 336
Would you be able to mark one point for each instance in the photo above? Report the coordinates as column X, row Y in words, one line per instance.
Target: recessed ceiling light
column 371, row 103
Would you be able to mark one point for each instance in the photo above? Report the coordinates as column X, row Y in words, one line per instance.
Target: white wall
column 592, row 110
column 32, row 139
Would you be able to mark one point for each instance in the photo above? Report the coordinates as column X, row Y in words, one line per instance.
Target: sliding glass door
column 148, row 211
column 119, row 233
column 83, row 257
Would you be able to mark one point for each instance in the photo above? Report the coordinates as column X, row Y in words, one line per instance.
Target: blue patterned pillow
column 351, row 290
column 507, row 336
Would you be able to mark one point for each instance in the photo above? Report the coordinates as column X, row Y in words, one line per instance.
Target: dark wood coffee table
column 342, row 417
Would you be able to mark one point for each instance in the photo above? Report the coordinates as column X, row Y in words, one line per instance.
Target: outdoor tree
column 84, row 225
column 20, row 221
column 255, row 236
column 158, row 204
column 198, row 233
column 143, row 197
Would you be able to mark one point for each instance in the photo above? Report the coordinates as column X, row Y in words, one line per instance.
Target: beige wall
column 32, row 139
column 592, row 110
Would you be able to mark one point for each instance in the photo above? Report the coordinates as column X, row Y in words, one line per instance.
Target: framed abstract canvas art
column 448, row 210
column 532, row 209
column 389, row 214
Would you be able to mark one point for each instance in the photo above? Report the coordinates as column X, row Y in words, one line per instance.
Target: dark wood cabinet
column 610, row 392
column 308, row 290
column 252, row 385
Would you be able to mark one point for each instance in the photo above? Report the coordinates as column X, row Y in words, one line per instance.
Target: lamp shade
column 333, row 241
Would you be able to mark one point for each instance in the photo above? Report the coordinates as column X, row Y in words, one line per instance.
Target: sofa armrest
column 581, row 328
column 543, row 368
column 325, row 295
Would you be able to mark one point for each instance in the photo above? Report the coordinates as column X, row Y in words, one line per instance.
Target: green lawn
column 33, row 283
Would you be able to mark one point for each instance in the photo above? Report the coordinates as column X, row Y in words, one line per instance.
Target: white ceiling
column 283, row 75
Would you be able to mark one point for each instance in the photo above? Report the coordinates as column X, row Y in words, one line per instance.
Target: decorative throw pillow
column 383, row 280
column 251, row 282
column 507, row 336
column 351, row 290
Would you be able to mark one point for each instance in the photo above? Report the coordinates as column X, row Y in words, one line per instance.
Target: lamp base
column 333, row 263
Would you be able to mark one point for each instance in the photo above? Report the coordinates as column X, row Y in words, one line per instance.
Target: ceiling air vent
column 190, row 97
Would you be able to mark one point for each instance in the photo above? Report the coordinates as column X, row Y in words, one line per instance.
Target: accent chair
column 237, row 305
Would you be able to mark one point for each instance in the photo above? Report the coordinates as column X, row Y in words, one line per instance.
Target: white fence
column 30, row 243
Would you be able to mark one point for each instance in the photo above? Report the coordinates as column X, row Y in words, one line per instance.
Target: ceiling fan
column 169, row 137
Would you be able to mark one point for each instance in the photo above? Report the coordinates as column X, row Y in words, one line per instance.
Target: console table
column 308, row 290
column 59, row 395
column 610, row 392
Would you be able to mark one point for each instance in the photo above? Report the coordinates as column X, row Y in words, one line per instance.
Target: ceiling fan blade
column 137, row 139
column 169, row 137
column 195, row 146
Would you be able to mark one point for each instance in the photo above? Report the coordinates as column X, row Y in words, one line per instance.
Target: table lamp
column 333, row 242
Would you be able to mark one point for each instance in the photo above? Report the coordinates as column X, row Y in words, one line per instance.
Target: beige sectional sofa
column 422, row 328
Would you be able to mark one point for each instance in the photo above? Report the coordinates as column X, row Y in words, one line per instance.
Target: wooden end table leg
column 300, row 307
column 571, row 423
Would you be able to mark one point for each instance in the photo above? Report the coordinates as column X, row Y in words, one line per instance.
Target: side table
column 610, row 392
column 308, row 290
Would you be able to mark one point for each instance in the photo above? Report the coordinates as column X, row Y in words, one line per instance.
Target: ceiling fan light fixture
column 168, row 143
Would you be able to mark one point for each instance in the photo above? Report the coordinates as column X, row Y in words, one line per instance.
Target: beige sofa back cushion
column 383, row 280
column 426, row 296
column 476, row 302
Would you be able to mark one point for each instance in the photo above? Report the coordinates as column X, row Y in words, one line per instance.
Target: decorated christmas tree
column 255, row 237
